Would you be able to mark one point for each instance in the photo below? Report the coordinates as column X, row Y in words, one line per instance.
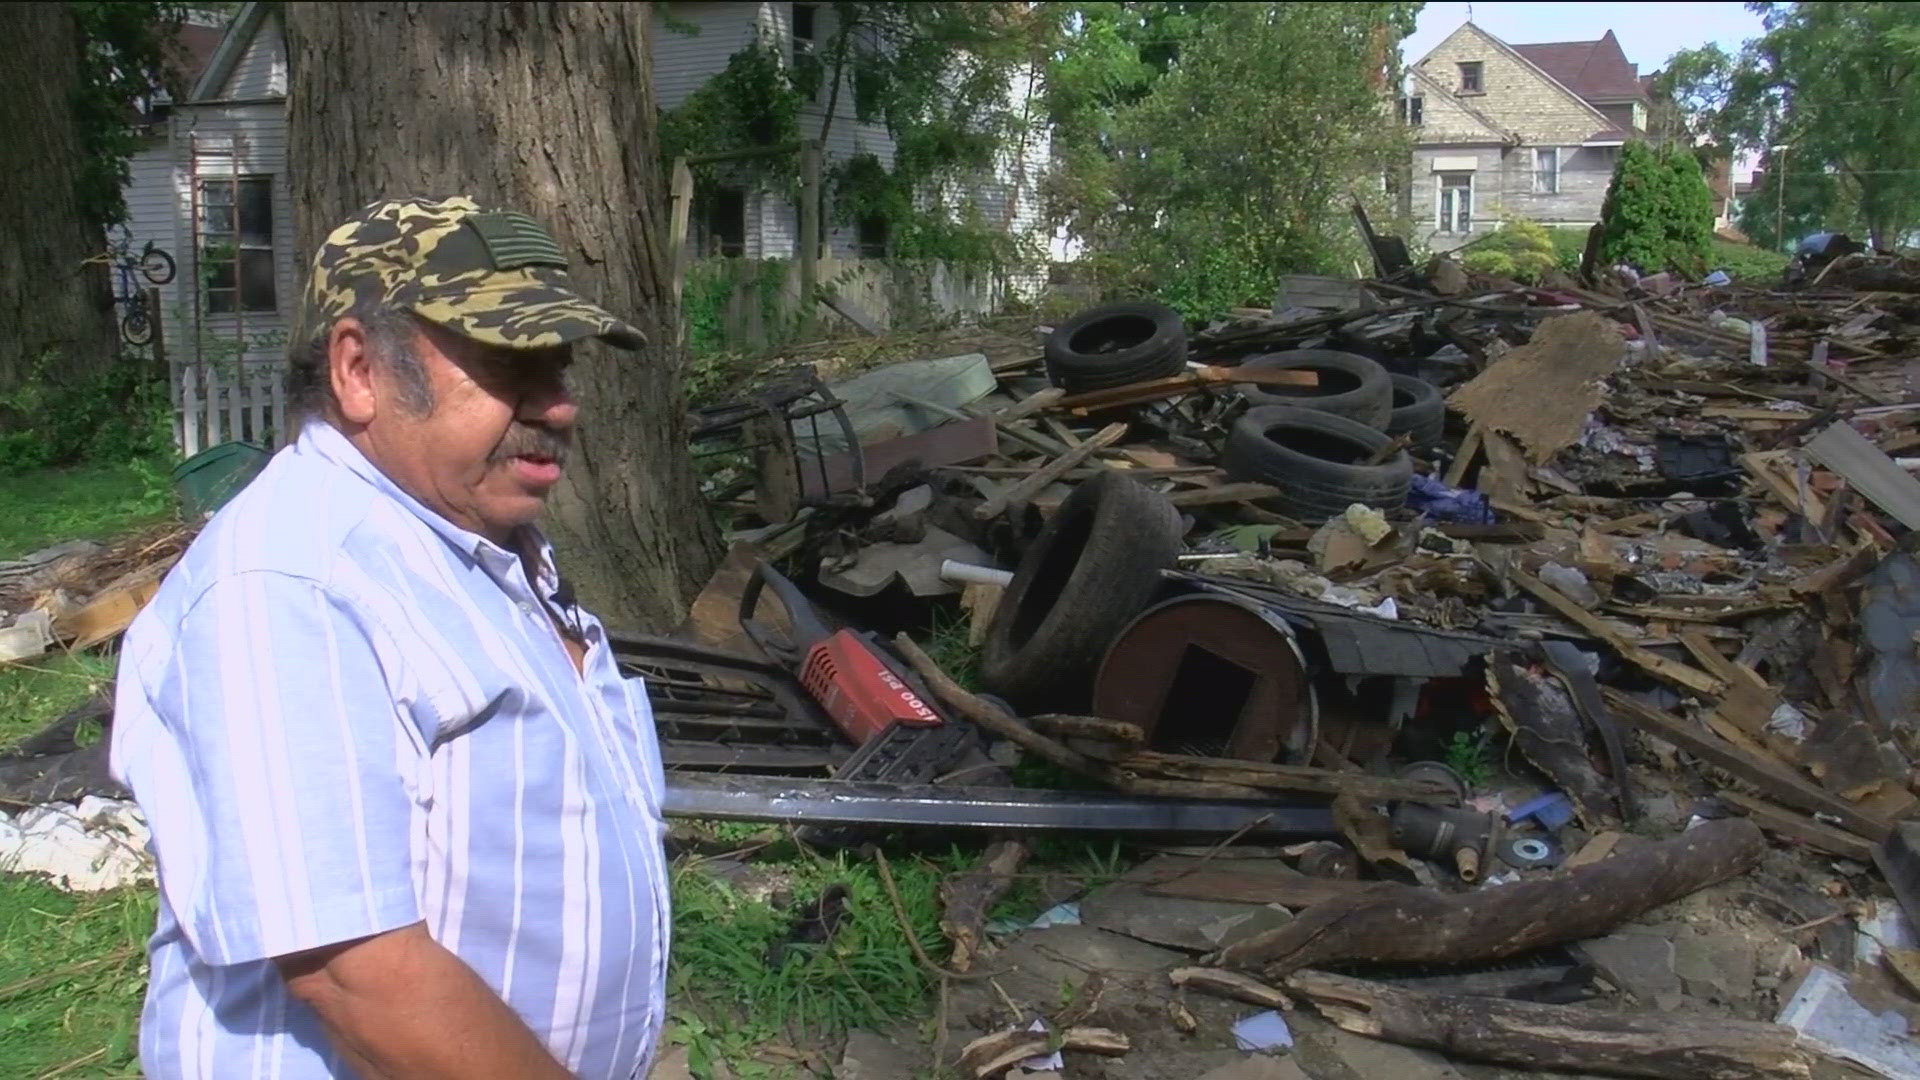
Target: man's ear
column 350, row 369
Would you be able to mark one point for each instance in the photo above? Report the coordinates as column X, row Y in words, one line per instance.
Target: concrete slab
column 1194, row 925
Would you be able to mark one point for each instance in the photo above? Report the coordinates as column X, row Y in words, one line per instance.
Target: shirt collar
column 326, row 442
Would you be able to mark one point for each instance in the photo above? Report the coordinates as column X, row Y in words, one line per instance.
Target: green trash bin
column 209, row 478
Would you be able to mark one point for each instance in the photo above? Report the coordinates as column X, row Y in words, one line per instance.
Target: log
column 966, row 898
column 1529, row 1035
column 995, row 720
column 1399, row 924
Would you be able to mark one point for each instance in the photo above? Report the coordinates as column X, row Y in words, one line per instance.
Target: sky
column 1648, row 32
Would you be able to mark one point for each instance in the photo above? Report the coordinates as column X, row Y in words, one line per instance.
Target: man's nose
column 549, row 403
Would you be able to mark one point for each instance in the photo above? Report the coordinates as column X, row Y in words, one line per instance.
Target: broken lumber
column 966, row 898
column 1530, row 1035
column 1396, row 924
column 1141, row 393
column 994, row 719
column 1773, row 779
column 1231, row 985
column 1046, row 474
column 1687, row 678
column 1297, row 778
column 1800, row 828
column 1061, row 726
column 991, row 1055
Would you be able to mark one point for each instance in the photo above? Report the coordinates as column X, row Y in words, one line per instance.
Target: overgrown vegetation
column 1658, row 213
column 940, row 77
column 1205, row 149
column 1520, row 250
column 128, row 45
column 1747, row 263
column 33, row 694
column 72, row 975
column 82, row 502
column 119, row 415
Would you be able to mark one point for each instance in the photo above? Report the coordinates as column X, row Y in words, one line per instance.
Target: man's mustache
column 526, row 440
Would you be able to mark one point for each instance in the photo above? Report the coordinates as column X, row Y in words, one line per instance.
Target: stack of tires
column 1316, row 444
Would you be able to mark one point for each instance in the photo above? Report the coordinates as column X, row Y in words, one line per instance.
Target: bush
column 1521, row 250
column 1569, row 245
column 119, row 415
column 1658, row 213
column 1745, row 262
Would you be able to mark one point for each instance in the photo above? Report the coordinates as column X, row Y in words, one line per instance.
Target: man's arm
column 399, row 1006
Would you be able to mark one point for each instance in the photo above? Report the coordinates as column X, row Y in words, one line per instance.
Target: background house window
column 871, row 236
column 1546, row 170
column 1470, row 76
column 1411, row 109
column 1456, row 202
column 236, row 244
column 722, row 223
column 803, row 23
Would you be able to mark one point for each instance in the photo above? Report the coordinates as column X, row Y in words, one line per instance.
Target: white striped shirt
column 341, row 715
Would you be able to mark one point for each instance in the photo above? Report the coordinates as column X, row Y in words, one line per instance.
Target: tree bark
column 56, row 312
column 1388, row 924
column 545, row 108
column 1535, row 1036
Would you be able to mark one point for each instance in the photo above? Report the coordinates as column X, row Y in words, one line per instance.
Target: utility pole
column 1780, row 197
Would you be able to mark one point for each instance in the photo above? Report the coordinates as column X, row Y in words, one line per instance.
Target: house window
column 236, row 245
column 803, row 22
column 871, row 234
column 723, row 224
column 1411, row 109
column 1470, row 76
column 1456, row 202
column 1546, row 170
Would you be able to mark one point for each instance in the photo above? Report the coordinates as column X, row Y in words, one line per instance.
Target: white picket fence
column 223, row 402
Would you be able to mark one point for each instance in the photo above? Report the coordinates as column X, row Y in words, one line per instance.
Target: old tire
column 1419, row 412
column 1093, row 568
column 1116, row 344
column 1314, row 459
column 1350, row 385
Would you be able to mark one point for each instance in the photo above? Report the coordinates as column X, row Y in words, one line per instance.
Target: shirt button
column 526, row 608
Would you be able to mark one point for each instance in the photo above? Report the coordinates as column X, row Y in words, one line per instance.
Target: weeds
column 947, row 643
column 85, row 502
column 34, row 694
column 72, row 975
column 730, row 1000
column 1470, row 753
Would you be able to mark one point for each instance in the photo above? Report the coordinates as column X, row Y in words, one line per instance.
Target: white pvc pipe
column 974, row 575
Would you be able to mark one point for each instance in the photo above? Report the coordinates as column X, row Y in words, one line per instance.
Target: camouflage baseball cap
column 491, row 275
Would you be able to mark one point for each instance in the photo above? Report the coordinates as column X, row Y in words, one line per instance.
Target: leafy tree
column 1204, row 180
column 1658, row 213
column 1838, row 83
column 1813, row 202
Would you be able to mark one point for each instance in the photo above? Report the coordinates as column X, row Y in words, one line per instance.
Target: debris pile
column 1519, row 619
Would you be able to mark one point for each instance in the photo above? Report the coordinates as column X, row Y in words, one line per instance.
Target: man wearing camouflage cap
column 404, row 809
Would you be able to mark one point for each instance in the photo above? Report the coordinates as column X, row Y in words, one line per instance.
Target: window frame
column 1478, row 68
column 1445, row 220
column 244, row 251
column 1551, row 176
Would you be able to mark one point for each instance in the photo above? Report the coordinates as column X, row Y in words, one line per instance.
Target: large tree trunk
column 56, row 312
column 546, row 108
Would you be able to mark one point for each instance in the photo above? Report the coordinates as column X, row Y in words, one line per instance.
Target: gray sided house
column 1516, row 131
column 211, row 188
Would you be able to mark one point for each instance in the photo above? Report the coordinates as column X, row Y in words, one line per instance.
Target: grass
column 35, row 693
column 72, row 976
column 1747, row 263
column 85, row 502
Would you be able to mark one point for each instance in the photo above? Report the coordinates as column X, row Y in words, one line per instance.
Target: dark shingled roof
column 1591, row 69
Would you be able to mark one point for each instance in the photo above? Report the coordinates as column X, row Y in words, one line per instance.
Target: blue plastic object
column 1443, row 503
column 1552, row 810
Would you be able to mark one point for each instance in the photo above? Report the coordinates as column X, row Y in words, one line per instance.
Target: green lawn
column 73, row 971
column 85, row 502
